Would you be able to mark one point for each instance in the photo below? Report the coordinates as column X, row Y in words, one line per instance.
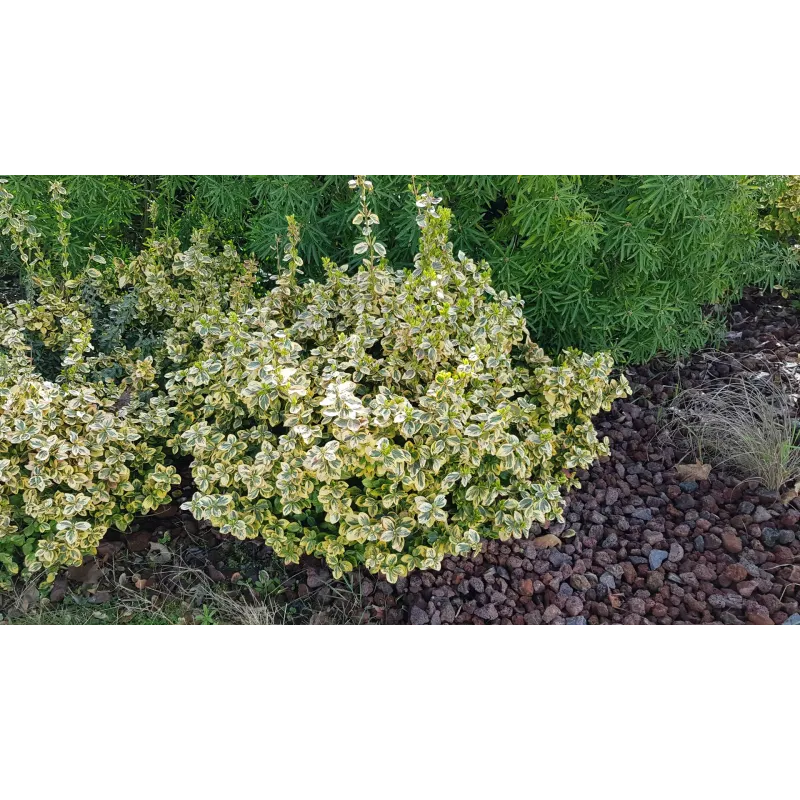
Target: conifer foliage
column 636, row 265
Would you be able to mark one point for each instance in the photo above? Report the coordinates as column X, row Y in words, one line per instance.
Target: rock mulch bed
column 649, row 548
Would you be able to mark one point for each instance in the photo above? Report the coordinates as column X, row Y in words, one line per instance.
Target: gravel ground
column 649, row 548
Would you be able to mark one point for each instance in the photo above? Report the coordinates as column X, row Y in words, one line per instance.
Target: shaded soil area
column 640, row 543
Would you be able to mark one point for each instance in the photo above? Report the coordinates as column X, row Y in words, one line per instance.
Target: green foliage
column 77, row 454
column 375, row 417
column 632, row 264
column 383, row 418
column 781, row 203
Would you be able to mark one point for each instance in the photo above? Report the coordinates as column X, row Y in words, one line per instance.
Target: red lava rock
column 631, row 503
column 704, row 572
column 758, row 619
column 637, row 606
column 735, row 573
column 551, row 613
column 783, row 555
column 731, row 543
column 526, row 587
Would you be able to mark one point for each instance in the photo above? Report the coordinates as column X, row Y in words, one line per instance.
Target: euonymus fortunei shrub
column 380, row 417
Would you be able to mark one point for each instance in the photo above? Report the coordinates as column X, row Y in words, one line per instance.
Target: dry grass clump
column 747, row 424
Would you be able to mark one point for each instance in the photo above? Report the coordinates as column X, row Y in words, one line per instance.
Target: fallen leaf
column 615, row 601
column 214, row 573
column 106, row 550
column 59, row 589
column 693, row 472
column 100, row 597
column 88, row 574
column 237, row 576
column 159, row 553
column 548, row 540
column 142, row 583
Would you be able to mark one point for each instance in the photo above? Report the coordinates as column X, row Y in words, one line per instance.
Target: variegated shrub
column 381, row 417
column 81, row 449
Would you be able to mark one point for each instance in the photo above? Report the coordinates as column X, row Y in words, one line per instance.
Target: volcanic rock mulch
column 648, row 547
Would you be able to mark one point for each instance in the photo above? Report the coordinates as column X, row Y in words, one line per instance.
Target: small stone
column 526, row 587
column 636, row 606
column 684, row 502
column 607, row 580
column 731, row 543
column 794, row 575
column 477, row 585
column 793, row 620
column 704, row 572
column 745, row 507
column 690, row 579
column 786, row 537
column 488, row 612
column 735, row 573
column 418, row 616
column 676, row 553
column 657, row 558
column 580, row 583
column 643, row 514
column 770, row 536
column 447, row 612
column 768, row 496
column 573, row 606
column 654, row 581
column 783, row 555
column 688, row 486
column 559, row 559
column 550, row 613
column 576, row 620
column 758, row 619
column 761, row 515
column 699, row 544
column 611, row 542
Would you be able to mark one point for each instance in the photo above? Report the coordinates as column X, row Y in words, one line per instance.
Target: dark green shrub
column 632, row 264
